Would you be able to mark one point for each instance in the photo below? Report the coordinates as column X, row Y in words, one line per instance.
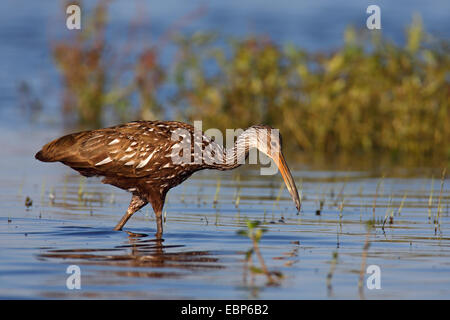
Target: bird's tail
column 41, row 156
column 57, row 150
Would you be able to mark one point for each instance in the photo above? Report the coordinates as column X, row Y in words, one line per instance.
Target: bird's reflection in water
column 139, row 251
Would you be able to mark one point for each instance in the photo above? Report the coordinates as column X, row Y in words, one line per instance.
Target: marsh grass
column 277, row 200
column 377, row 191
column 237, row 197
column 389, row 212
column 368, row 96
column 216, row 195
column 369, row 226
column 333, row 264
column 402, row 203
column 341, row 208
column 437, row 219
column 300, row 193
column 81, row 192
column 42, row 191
column 430, row 199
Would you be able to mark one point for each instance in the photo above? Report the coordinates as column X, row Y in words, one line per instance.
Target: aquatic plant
column 216, row 195
column 402, row 203
column 437, row 220
column 255, row 232
column 430, row 199
column 331, row 272
column 369, row 226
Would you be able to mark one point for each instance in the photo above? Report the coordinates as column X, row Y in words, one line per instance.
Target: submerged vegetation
column 369, row 96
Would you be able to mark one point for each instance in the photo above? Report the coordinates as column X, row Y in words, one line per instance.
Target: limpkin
column 140, row 157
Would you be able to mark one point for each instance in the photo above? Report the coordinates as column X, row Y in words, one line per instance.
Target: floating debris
column 28, row 202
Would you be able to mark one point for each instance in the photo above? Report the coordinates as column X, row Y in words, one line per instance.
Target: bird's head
column 268, row 140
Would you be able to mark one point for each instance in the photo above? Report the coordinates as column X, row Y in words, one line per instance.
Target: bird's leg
column 157, row 198
column 136, row 203
column 159, row 224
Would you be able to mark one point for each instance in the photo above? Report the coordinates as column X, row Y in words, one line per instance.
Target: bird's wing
column 133, row 150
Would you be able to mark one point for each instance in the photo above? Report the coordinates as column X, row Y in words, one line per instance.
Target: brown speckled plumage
column 135, row 156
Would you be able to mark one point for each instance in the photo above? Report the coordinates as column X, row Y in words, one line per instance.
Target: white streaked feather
column 144, row 162
column 104, row 161
column 127, row 156
column 113, row 142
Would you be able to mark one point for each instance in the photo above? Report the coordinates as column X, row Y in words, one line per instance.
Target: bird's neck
column 235, row 156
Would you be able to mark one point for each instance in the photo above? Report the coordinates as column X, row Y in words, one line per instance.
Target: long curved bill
column 287, row 176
